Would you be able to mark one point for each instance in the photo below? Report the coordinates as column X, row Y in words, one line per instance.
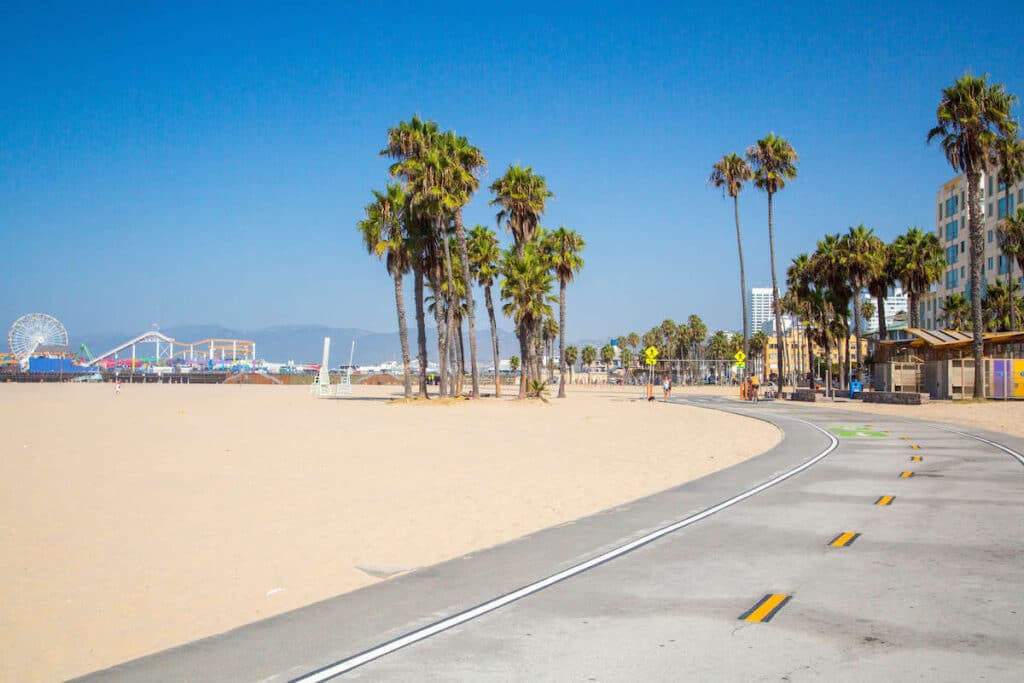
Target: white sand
column 137, row 522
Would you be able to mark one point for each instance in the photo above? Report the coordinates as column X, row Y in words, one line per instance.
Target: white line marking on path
column 1012, row 453
column 379, row 651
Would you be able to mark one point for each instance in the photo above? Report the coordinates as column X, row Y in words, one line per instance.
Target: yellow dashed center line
column 766, row 608
column 884, row 500
column 916, row 458
column 844, row 539
column 906, row 475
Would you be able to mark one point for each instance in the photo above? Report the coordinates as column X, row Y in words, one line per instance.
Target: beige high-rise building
column 951, row 226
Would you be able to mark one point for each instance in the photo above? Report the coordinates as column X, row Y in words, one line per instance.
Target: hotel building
column 760, row 307
column 951, row 226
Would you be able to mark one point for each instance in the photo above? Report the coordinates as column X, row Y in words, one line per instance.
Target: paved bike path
column 931, row 587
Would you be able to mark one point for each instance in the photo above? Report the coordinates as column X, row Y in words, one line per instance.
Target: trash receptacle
column 855, row 387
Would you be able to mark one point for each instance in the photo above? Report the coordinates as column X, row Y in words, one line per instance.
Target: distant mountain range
column 304, row 343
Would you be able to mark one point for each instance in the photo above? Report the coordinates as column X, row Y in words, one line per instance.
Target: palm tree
column 799, row 277
column 879, row 284
column 830, row 274
column 860, row 251
column 522, row 196
column 607, row 356
column 627, row 357
column 471, row 160
column 1011, row 239
column 513, row 364
column 526, row 286
column 571, row 355
column 633, row 339
column 956, row 311
column 1000, row 299
column 971, row 116
column 564, row 246
column 759, row 347
column 385, row 236
column 589, row 355
column 1009, row 155
column 485, row 255
column 773, row 163
column 729, row 173
column 920, row 262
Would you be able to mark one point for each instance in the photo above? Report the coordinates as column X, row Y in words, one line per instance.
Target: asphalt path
column 834, row 555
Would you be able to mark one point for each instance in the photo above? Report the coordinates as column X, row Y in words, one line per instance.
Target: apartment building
column 895, row 302
column 952, row 228
column 760, row 310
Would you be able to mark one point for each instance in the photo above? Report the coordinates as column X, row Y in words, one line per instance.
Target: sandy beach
column 136, row 522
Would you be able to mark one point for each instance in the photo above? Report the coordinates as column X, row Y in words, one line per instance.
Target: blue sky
column 198, row 165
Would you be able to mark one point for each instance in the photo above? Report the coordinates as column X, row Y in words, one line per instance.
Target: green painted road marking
column 855, row 432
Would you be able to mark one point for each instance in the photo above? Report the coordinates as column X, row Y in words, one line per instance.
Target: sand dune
column 137, row 522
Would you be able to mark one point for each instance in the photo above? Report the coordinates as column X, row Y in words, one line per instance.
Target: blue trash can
column 855, row 387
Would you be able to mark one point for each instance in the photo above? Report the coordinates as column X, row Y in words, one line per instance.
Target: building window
column 1001, row 211
column 962, row 246
column 951, row 206
column 1004, row 264
column 989, row 235
column 1020, row 196
column 990, row 263
column 952, row 230
column 990, row 185
column 963, row 271
column 990, row 208
column 952, row 255
column 963, row 204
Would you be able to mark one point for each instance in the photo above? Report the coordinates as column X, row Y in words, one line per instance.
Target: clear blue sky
column 198, row 165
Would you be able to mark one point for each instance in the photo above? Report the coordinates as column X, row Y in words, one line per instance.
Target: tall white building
column 951, row 226
column 760, row 307
column 895, row 302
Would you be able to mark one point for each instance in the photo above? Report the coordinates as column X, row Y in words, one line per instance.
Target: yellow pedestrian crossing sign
column 651, row 355
column 740, row 356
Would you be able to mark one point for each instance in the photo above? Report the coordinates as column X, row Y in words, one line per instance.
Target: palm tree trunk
column 453, row 297
column 977, row 243
column 881, row 318
column 460, row 236
column 775, row 292
column 403, row 334
column 462, row 357
column 439, row 319
column 494, row 342
column 844, row 383
column 856, row 331
column 524, row 361
column 421, row 332
column 743, row 279
column 561, row 338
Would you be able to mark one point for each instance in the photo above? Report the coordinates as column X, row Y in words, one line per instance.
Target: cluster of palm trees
column 977, row 132
column 770, row 163
column 824, row 288
column 416, row 226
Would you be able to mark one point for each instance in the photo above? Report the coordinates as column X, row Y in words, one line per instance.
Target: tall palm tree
column 564, row 246
column 830, row 274
column 956, row 312
column 729, row 173
column 522, row 196
column 773, row 163
column 879, row 284
column 471, row 160
column 485, row 256
column 971, row 116
column 526, row 286
column 385, row 236
column 1011, row 238
column 920, row 262
column 860, row 252
column 1009, row 155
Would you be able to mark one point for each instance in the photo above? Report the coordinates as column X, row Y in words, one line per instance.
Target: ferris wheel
column 31, row 331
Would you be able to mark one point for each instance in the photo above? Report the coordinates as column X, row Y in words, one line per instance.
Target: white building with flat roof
column 895, row 302
column 760, row 307
column 951, row 226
